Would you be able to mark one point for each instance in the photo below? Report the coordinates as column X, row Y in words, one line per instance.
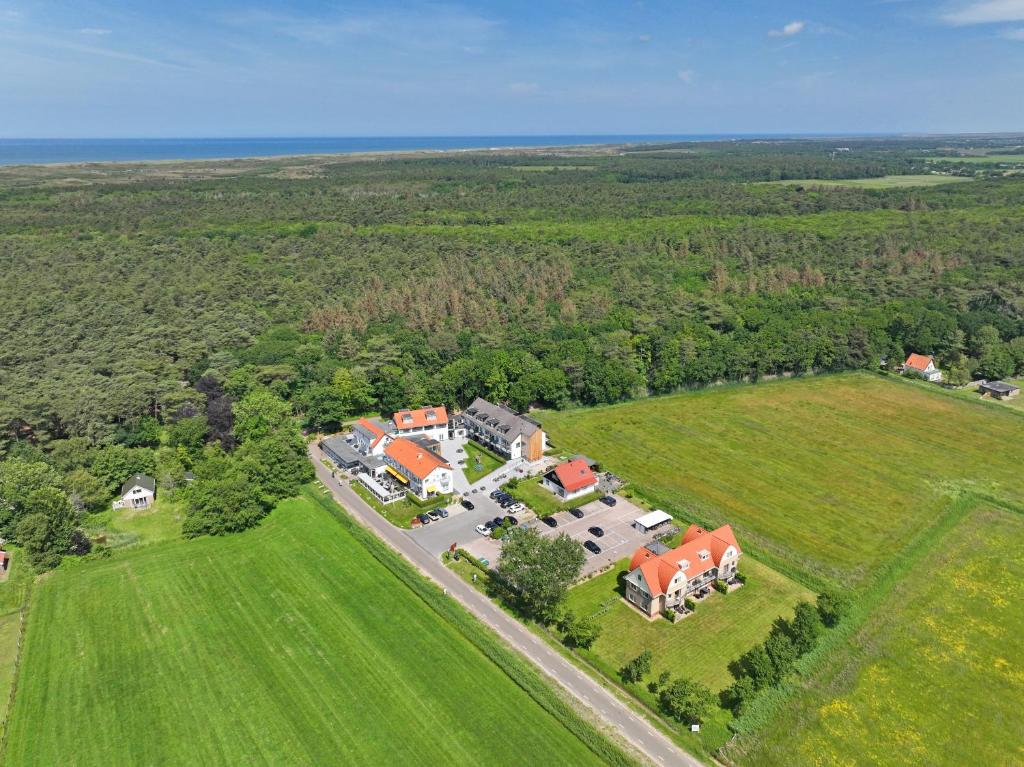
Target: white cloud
column 1014, row 34
column 987, row 12
column 790, row 29
column 686, row 75
column 96, row 31
column 523, row 89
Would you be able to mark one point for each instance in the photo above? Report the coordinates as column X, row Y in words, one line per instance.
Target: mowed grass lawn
column 488, row 462
column 542, row 501
column 830, row 475
column 287, row 644
column 936, row 676
column 881, row 182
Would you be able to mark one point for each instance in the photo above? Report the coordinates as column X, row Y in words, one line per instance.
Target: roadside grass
column 933, row 676
column 881, row 182
column 400, row 513
column 543, row 502
column 489, row 462
column 14, row 594
column 132, row 527
column 297, row 642
column 824, row 479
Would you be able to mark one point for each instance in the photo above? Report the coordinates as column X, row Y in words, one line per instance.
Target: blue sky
column 94, row 68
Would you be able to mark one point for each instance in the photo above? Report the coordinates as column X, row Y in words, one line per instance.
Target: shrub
column 656, row 684
column 739, row 695
column 805, row 627
column 687, row 701
column 580, row 632
column 832, row 607
column 690, row 604
column 637, row 668
column 669, row 614
column 720, row 586
column 512, row 484
column 741, row 577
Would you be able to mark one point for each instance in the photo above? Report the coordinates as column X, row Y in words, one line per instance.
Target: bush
column 805, row 627
column 579, row 632
column 656, row 684
column 832, row 607
column 721, row 586
column 638, row 668
column 669, row 614
column 686, row 701
column 738, row 695
column 690, row 604
column 741, row 577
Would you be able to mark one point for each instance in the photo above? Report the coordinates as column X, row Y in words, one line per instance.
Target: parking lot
column 620, row 538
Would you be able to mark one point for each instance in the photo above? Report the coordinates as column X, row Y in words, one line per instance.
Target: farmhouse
column 924, row 366
column 661, row 578
column 139, row 492
column 430, row 422
column 504, row 431
column 422, row 471
column 570, row 479
column 998, row 390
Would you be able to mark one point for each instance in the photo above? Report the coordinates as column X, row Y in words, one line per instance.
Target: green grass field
column 826, row 477
column 131, row 527
column 13, row 593
column 1017, row 159
column 543, row 502
column 882, row 182
column 489, row 462
column 288, row 644
column 934, row 676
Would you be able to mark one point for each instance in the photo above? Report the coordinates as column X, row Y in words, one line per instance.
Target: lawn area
column 543, row 502
column 826, row 477
column 881, row 182
column 933, row 677
column 297, row 642
column 130, row 527
column 399, row 513
column 488, row 462
column 13, row 593
column 1017, row 159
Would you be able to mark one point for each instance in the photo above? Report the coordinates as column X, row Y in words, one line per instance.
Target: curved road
column 636, row 730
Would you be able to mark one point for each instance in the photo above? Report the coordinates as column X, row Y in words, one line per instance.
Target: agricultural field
column 263, row 648
column 882, row 182
column 933, row 677
column 827, row 478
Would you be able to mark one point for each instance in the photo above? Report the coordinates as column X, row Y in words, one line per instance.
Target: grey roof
column 385, row 426
column 657, row 548
column 999, row 386
column 142, row 480
column 500, row 419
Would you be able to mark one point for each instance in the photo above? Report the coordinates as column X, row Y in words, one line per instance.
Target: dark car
column 550, row 521
column 577, row 512
column 496, row 522
column 608, row 501
column 597, row 532
column 467, row 504
column 512, row 521
column 592, row 547
column 489, row 525
column 496, row 493
column 423, row 518
column 443, row 512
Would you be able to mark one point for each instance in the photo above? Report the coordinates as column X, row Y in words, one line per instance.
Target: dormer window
column 704, row 554
column 684, row 564
column 431, row 415
column 407, row 418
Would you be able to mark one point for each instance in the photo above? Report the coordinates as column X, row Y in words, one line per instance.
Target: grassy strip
column 543, row 502
column 763, row 708
column 22, row 626
column 482, row 638
column 400, row 513
column 490, row 460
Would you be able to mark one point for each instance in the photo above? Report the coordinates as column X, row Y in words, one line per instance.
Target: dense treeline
column 348, row 287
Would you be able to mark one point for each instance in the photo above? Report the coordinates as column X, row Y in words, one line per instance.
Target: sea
column 14, row 151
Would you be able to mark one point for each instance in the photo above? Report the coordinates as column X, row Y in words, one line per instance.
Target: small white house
column 924, row 366
column 139, row 492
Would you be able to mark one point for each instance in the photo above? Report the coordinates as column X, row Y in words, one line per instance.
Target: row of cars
column 507, row 503
column 432, row 516
column 595, row 531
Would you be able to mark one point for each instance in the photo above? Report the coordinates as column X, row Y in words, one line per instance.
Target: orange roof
column 658, row 571
column 575, row 475
column 919, row 361
column 373, row 428
column 417, row 460
column 416, row 419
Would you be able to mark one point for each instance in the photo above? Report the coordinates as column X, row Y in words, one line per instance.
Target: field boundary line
column 18, row 653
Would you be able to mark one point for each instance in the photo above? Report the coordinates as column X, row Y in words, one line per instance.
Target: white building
column 422, row 471
column 924, row 366
column 504, row 431
column 429, row 422
column 139, row 492
column 570, row 480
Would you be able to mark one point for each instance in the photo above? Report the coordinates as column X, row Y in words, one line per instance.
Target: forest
column 141, row 305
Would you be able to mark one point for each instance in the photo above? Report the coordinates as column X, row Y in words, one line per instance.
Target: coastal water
column 24, row 151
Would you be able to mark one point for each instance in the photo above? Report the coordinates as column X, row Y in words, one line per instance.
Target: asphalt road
column 633, row 728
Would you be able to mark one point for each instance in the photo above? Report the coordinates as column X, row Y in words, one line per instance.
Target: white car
column 482, row 530
column 515, row 508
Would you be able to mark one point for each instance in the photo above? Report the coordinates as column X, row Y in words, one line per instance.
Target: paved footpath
column 636, row 730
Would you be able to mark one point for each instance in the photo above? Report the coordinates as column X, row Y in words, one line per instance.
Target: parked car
column 512, row 521
column 443, row 512
column 485, row 562
column 577, row 512
column 423, row 518
column 592, row 547
column 608, row 500
column 467, row 504
column 496, row 522
column 597, row 532
column 434, row 515
column 550, row 521
column 488, row 526
column 496, row 493
column 515, row 508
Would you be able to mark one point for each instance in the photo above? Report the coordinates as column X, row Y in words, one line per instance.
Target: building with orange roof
column 661, row 578
column 429, row 422
column 422, row 471
column 924, row 366
column 571, row 479
column 370, row 436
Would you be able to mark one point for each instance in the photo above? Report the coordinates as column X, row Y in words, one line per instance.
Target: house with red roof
column 428, row 422
column 661, row 578
column 924, row 366
column 571, row 479
column 420, row 470
column 370, row 436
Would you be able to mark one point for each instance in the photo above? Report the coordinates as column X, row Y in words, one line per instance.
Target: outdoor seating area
column 384, row 488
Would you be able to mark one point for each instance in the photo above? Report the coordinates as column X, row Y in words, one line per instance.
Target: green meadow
column 297, row 642
column 826, row 478
column 933, row 677
column 882, row 182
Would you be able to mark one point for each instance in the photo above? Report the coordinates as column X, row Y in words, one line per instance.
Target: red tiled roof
column 658, row 571
column 418, row 460
column 575, row 475
column 378, row 433
column 919, row 361
column 416, row 419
